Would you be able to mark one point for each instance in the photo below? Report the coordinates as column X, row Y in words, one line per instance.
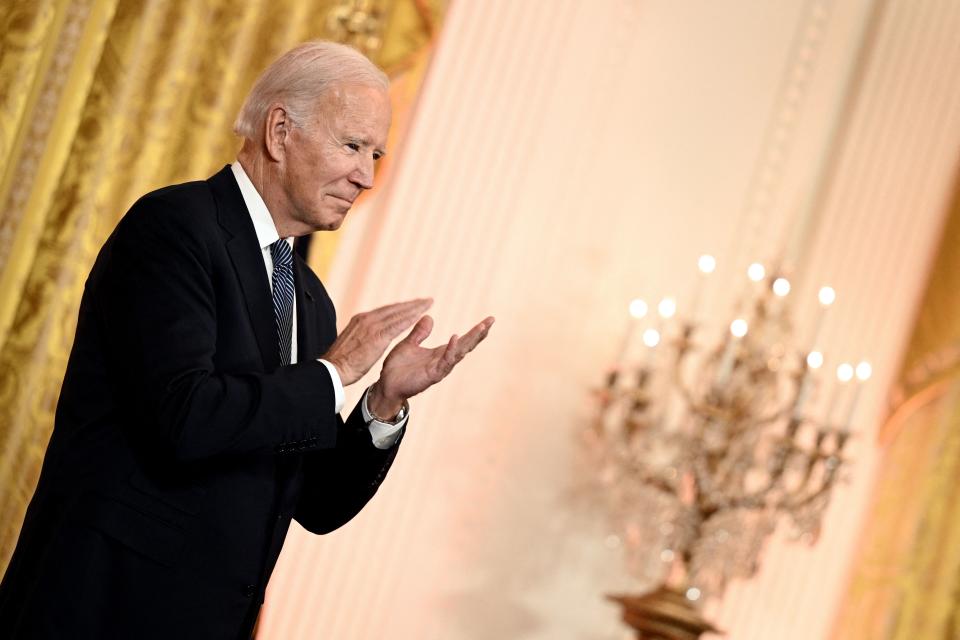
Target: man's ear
column 276, row 131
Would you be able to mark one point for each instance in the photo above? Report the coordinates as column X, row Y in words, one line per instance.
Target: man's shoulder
column 188, row 206
column 187, row 197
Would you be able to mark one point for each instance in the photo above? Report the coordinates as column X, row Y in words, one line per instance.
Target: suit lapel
column 306, row 314
column 247, row 260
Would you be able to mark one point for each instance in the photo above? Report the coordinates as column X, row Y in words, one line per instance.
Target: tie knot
column 282, row 254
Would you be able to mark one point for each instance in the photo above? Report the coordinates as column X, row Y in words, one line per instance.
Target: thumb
column 420, row 331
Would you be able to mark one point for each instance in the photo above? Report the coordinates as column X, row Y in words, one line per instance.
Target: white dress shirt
column 383, row 435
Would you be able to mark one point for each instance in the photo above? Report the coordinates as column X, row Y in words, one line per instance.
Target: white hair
column 298, row 78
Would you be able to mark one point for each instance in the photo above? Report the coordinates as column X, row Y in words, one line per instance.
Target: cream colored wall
column 565, row 157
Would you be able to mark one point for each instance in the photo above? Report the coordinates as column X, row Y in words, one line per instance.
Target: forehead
column 357, row 110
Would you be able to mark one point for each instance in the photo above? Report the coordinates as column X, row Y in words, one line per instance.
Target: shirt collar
column 262, row 220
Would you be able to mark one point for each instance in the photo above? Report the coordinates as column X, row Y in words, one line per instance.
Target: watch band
column 404, row 410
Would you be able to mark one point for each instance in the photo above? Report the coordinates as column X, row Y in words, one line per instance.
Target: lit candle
column 814, row 362
column 826, row 297
column 738, row 329
column 863, row 372
column 844, row 375
column 667, row 308
column 638, row 310
column 747, row 305
column 706, row 265
column 651, row 338
column 781, row 287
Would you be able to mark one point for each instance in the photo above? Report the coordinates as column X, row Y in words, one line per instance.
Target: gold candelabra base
column 662, row 614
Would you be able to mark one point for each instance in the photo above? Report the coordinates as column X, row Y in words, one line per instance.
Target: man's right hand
column 367, row 336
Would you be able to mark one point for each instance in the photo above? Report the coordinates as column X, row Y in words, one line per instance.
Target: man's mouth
column 349, row 201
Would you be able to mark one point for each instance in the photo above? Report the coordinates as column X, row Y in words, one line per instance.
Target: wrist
column 382, row 405
column 347, row 375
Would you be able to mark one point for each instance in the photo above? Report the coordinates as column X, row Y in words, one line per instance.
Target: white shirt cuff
column 384, row 435
column 338, row 398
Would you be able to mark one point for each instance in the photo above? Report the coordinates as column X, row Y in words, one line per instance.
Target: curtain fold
column 100, row 102
column 905, row 583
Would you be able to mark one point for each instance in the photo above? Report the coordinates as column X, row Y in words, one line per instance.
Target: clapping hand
column 410, row 369
column 367, row 336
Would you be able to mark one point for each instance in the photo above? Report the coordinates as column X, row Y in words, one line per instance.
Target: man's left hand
column 410, row 368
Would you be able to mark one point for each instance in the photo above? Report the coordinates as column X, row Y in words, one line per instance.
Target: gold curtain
column 104, row 100
column 905, row 583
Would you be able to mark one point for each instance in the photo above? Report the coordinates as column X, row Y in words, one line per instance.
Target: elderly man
column 200, row 409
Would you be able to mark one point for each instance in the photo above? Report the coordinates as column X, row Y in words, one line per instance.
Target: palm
column 410, row 369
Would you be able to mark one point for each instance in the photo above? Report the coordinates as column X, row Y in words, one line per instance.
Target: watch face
column 403, row 413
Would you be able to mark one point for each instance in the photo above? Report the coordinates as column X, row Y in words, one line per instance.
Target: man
column 200, row 408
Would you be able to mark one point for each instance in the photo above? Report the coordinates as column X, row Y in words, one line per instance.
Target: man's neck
column 253, row 165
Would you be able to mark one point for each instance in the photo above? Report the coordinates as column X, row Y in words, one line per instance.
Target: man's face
column 330, row 160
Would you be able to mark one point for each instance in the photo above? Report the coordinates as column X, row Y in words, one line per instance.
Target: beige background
column 565, row 157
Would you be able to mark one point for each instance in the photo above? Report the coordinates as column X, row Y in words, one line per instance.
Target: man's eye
column 353, row 146
column 377, row 155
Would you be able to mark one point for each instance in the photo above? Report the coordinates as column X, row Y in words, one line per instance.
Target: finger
column 387, row 309
column 474, row 337
column 388, row 322
column 391, row 313
column 400, row 323
column 482, row 328
column 450, row 354
column 408, row 309
column 420, row 331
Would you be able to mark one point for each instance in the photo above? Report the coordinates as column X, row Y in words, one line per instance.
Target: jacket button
column 249, row 590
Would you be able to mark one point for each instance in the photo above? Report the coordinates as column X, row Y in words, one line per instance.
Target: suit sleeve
column 158, row 311
column 338, row 483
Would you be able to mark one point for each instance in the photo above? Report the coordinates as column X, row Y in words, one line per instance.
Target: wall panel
column 564, row 158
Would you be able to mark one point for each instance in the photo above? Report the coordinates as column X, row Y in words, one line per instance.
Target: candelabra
column 704, row 445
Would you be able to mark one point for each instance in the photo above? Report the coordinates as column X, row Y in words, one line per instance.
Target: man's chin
column 332, row 223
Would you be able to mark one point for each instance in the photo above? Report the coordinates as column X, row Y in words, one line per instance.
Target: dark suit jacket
column 181, row 449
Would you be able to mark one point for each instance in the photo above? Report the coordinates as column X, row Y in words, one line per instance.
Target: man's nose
column 362, row 176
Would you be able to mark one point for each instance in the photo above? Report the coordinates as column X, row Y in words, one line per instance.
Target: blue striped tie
column 283, row 296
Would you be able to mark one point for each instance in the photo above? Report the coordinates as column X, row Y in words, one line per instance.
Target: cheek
column 315, row 173
column 309, row 179
column 335, row 166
